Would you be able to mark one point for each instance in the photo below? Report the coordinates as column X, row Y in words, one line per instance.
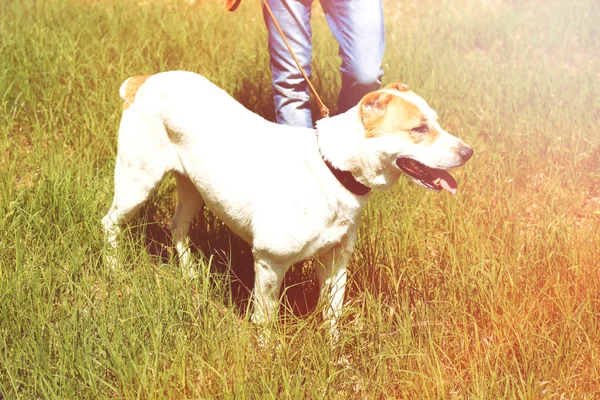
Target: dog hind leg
column 134, row 183
column 189, row 203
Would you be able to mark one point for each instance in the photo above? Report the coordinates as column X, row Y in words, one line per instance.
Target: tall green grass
column 492, row 294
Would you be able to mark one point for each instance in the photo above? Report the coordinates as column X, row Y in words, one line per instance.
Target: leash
column 231, row 5
column 344, row 177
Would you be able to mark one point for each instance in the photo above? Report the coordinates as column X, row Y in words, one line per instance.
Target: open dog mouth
column 430, row 178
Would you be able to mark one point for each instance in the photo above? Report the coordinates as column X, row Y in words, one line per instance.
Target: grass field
column 492, row 294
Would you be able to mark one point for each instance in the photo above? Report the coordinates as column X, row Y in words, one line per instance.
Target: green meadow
column 492, row 294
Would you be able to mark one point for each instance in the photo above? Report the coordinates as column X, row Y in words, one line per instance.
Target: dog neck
column 347, row 180
column 338, row 139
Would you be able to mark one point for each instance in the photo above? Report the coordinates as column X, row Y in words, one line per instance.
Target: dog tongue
column 446, row 181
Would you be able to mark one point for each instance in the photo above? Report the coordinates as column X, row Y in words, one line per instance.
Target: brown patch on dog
column 383, row 113
column 397, row 86
column 373, row 108
column 431, row 136
column 132, row 87
column 386, row 114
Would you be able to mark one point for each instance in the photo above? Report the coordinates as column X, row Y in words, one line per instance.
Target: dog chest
column 305, row 233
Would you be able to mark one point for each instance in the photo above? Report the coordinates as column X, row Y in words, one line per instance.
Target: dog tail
column 129, row 89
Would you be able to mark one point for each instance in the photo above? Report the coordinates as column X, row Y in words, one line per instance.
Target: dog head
column 402, row 134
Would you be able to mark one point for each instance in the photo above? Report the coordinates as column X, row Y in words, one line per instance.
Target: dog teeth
column 437, row 182
column 415, row 166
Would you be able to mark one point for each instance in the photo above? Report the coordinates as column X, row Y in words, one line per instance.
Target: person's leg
column 358, row 27
column 290, row 90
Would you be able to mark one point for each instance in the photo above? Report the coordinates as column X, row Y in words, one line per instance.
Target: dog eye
column 421, row 129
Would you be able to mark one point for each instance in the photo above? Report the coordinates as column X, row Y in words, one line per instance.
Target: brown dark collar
column 347, row 180
column 344, row 177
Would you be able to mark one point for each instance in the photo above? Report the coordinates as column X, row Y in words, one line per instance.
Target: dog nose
column 465, row 153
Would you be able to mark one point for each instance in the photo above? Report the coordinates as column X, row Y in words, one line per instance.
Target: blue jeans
column 357, row 25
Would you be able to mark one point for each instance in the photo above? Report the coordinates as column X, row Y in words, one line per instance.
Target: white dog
column 291, row 193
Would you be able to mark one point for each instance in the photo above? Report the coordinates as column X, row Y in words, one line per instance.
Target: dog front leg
column 267, row 284
column 332, row 275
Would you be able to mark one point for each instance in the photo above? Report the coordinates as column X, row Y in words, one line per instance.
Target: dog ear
column 397, row 86
column 373, row 107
